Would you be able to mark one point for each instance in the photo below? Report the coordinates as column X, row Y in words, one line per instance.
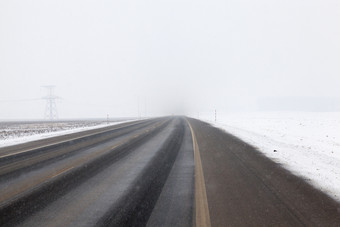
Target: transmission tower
column 51, row 112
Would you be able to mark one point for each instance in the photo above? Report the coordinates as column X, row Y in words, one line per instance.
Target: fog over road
column 157, row 172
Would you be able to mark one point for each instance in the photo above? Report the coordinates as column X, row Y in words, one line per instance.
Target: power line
column 20, row 100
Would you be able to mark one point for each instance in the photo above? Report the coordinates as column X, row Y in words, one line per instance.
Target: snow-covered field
column 12, row 133
column 308, row 144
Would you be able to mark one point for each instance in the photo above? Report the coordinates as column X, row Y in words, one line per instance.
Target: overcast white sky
column 219, row 54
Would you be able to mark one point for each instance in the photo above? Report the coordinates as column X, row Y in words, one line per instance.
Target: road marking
column 202, row 216
column 63, row 141
column 74, row 164
column 31, row 185
column 61, row 172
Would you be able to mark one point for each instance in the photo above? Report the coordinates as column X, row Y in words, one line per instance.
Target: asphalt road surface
column 158, row 172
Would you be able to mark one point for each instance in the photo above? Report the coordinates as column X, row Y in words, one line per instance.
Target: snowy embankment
column 17, row 133
column 308, row 144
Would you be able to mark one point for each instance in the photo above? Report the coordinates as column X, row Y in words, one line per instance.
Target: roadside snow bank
column 21, row 133
column 308, row 144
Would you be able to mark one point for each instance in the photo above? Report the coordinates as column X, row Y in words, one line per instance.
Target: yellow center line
column 202, row 216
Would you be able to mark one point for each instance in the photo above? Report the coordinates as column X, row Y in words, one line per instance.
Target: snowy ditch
column 308, row 144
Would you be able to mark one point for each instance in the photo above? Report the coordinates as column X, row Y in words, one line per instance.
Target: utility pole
column 51, row 112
